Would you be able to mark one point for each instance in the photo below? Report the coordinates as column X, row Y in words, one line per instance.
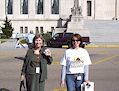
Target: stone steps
column 105, row 31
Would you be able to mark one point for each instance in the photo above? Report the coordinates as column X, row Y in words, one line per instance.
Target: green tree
column 7, row 29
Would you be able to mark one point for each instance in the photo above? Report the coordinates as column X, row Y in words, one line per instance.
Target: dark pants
column 34, row 84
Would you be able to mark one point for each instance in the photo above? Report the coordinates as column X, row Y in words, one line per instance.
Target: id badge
column 78, row 77
column 37, row 69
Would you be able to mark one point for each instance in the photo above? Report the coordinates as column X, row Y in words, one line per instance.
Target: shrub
column 46, row 36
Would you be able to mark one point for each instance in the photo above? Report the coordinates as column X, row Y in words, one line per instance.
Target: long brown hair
column 36, row 37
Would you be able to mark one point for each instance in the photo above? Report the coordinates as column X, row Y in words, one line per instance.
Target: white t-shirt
column 75, row 59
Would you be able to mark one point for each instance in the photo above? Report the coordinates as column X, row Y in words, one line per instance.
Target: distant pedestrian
column 75, row 65
column 29, row 39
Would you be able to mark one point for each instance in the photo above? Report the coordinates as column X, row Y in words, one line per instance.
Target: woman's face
column 75, row 42
column 38, row 42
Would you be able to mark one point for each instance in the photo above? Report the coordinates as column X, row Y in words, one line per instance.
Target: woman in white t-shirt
column 75, row 65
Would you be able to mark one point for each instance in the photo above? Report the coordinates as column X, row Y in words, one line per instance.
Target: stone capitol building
column 43, row 15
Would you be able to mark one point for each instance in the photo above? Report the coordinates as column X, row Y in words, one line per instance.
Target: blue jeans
column 73, row 84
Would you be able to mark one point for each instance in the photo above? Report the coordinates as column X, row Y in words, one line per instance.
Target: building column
column 93, row 9
column 47, row 9
column 115, row 9
column 31, row 8
column 2, row 7
column 16, row 8
column 84, row 7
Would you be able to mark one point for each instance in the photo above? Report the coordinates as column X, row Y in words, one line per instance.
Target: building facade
column 43, row 15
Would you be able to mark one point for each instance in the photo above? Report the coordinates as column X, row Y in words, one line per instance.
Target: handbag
column 22, row 85
column 87, row 87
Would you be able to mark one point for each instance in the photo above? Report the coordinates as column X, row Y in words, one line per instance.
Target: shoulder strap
column 22, row 85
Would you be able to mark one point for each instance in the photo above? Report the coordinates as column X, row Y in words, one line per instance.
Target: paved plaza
column 104, row 71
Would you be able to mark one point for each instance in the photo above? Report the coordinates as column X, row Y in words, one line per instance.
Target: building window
column 89, row 8
column 9, row 6
column 39, row 6
column 21, row 29
column 37, row 30
column 41, row 30
column 55, row 6
column 24, row 6
column 26, row 29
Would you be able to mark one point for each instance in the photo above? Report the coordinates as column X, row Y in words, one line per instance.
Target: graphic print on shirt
column 76, row 64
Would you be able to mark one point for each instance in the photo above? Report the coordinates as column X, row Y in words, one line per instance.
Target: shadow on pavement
column 21, row 58
column 4, row 89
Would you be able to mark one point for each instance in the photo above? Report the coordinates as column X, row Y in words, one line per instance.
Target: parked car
column 60, row 39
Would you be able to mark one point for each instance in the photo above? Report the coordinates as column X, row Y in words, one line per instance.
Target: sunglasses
column 75, row 40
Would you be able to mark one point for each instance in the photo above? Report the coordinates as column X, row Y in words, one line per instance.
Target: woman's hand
column 62, row 83
column 87, row 82
column 47, row 52
column 22, row 77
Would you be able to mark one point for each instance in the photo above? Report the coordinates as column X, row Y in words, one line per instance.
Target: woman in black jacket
column 35, row 65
